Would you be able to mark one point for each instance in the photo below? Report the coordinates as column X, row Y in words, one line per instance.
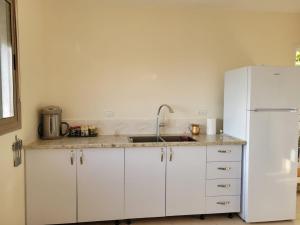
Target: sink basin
column 177, row 139
column 144, row 139
column 147, row 139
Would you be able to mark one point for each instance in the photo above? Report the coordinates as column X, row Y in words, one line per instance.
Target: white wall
column 12, row 205
column 130, row 58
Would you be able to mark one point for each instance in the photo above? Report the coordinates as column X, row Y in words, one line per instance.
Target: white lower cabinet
column 50, row 186
column 145, row 182
column 223, row 184
column 100, row 184
column 223, row 204
column 223, row 187
column 54, row 197
column 221, row 153
column 185, row 184
column 219, row 170
column 69, row 186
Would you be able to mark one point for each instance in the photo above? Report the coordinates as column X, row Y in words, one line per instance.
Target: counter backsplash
column 142, row 126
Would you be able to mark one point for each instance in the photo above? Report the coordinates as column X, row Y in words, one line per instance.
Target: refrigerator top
column 273, row 88
column 266, row 67
column 275, row 110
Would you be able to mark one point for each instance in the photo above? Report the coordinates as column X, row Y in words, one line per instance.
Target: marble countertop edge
column 122, row 141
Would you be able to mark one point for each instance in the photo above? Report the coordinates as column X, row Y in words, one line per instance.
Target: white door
column 185, row 185
column 270, row 167
column 145, row 182
column 50, row 186
column 100, row 180
column 274, row 87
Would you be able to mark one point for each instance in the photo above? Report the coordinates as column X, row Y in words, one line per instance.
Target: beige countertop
column 122, row 141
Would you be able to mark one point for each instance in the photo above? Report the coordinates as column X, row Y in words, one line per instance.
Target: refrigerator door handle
column 275, row 110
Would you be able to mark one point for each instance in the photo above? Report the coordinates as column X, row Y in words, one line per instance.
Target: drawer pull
column 171, row 154
column 224, row 151
column 223, row 203
column 224, row 168
column 81, row 157
column 72, row 157
column 224, row 185
column 162, row 155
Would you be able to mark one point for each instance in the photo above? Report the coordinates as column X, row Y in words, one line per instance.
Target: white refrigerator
column 260, row 106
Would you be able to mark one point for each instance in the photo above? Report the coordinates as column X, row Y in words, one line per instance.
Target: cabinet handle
column 72, row 157
column 171, row 154
column 223, row 203
column 224, row 185
column 224, row 168
column 162, row 155
column 224, row 151
column 81, row 157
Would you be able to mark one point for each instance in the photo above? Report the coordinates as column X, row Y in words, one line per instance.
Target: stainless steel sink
column 144, row 139
column 147, row 139
column 178, row 139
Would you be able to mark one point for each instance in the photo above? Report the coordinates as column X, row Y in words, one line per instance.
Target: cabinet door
column 185, row 186
column 50, row 186
column 100, row 179
column 145, row 182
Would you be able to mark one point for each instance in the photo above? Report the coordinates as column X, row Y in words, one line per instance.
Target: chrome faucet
column 158, row 125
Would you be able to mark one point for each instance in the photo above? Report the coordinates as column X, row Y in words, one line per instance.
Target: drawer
column 224, row 153
column 223, row 170
column 223, row 187
column 223, row 204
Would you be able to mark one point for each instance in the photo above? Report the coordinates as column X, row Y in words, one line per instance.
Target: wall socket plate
column 109, row 114
column 202, row 113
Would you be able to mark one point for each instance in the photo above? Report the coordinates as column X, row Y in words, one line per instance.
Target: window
column 10, row 118
column 297, row 63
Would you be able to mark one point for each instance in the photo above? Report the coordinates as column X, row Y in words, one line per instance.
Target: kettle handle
column 67, row 128
column 40, row 130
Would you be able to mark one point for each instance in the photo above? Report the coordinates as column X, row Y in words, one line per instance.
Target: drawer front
column 225, row 204
column 224, row 153
column 220, row 170
column 223, row 187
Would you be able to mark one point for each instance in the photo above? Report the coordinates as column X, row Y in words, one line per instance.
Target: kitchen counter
column 122, row 141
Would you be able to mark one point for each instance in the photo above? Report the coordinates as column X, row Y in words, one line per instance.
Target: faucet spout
column 165, row 105
column 157, row 118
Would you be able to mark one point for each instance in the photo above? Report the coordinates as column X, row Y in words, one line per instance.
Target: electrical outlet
column 109, row 114
column 202, row 113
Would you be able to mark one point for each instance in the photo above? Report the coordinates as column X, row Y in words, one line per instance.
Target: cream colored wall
column 12, row 207
column 90, row 57
column 129, row 59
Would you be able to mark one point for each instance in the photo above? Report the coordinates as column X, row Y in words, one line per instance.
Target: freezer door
column 270, row 164
column 273, row 87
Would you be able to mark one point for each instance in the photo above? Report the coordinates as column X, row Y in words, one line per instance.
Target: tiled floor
column 209, row 220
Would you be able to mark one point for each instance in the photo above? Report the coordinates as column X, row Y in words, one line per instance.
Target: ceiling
column 256, row 5
column 252, row 5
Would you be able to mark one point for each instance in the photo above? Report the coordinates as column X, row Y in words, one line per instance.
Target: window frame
column 10, row 124
column 297, row 63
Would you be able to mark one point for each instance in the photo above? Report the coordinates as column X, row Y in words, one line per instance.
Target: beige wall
column 131, row 58
column 90, row 57
column 12, row 206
